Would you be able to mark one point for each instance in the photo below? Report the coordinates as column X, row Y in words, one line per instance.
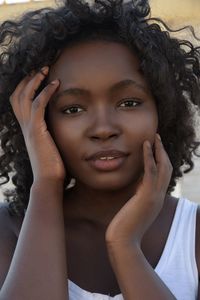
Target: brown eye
column 72, row 110
column 130, row 103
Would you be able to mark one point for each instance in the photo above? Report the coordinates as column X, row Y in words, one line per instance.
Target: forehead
column 96, row 62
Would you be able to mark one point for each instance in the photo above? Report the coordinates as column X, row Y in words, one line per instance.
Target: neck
column 96, row 206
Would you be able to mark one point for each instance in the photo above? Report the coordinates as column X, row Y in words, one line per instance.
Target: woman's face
column 103, row 103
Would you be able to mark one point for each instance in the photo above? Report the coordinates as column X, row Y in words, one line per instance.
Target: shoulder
column 5, row 219
column 198, row 239
column 8, row 240
column 9, row 225
column 9, row 222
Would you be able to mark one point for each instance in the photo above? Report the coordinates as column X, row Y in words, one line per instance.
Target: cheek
column 143, row 127
column 68, row 140
column 68, row 144
column 66, row 137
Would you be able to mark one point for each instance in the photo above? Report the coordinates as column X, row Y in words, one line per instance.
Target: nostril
column 104, row 136
column 103, row 132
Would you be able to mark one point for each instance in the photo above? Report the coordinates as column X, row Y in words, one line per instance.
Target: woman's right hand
column 45, row 158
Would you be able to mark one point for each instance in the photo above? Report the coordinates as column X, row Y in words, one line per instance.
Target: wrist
column 47, row 190
column 125, row 254
column 48, row 182
column 124, row 246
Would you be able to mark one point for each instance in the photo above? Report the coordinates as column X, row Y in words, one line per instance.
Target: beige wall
column 13, row 10
column 177, row 13
column 173, row 9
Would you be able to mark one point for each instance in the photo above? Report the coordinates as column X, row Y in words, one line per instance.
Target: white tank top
column 177, row 265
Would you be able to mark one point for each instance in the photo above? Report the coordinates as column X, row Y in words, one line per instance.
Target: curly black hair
column 37, row 38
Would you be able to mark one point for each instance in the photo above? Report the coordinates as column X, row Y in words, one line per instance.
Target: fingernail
column 158, row 136
column 44, row 70
column 148, row 144
column 54, row 82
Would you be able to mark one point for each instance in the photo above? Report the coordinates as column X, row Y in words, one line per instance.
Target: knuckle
column 23, row 95
column 36, row 103
column 153, row 170
column 12, row 98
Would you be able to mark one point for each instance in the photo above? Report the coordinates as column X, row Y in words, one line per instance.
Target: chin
column 109, row 183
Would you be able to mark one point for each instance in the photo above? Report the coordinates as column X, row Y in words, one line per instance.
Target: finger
column 40, row 103
column 28, row 94
column 150, row 168
column 14, row 98
column 30, row 89
column 164, row 165
column 22, row 110
column 21, row 86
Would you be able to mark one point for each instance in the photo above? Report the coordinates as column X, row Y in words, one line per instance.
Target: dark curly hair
column 37, row 38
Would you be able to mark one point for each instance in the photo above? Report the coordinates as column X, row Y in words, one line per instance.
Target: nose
column 103, row 126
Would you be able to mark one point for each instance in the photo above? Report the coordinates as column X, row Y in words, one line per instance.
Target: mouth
column 108, row 160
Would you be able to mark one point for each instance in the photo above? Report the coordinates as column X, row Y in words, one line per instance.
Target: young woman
column 101, row 97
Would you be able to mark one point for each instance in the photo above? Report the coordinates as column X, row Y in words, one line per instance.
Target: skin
column 103, row 122
column 118, row 214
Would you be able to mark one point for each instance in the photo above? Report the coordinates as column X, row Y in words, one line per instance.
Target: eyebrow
column 84, row 92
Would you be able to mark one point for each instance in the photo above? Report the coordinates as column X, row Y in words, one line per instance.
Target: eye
column 130, row 103
column 72, row 110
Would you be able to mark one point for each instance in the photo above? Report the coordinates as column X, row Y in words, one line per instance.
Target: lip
column 119, row 158
column 107, row 153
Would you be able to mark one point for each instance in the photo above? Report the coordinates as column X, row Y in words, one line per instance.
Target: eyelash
column 128, row 100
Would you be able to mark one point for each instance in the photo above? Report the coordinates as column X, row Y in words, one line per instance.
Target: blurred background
column 177, row 14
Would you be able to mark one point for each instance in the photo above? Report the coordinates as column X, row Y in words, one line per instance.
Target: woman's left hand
column 135, row 217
